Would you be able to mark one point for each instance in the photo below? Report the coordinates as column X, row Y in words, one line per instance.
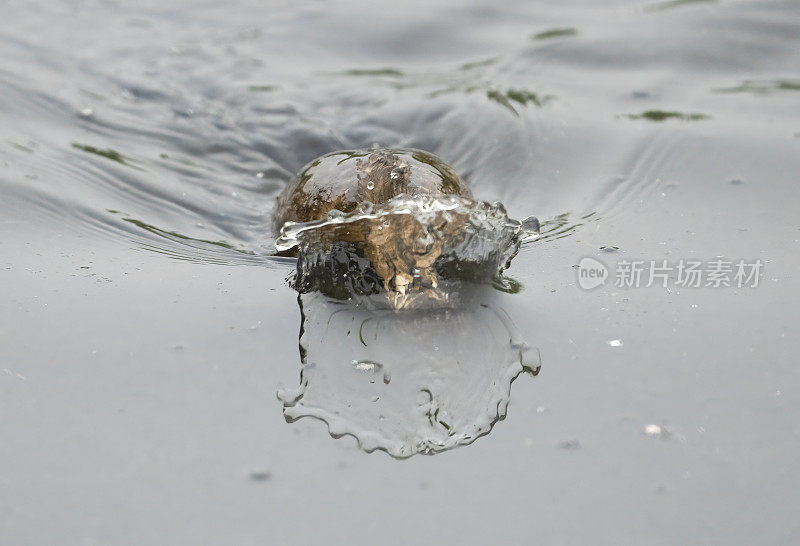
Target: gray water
column 146, row 327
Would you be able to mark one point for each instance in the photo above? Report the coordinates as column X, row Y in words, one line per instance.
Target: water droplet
column 260, row 174
column 656, row 431
column 367, row 365
column 370, row 185
column 530, row 227
column 87, row 112
column 615, row 343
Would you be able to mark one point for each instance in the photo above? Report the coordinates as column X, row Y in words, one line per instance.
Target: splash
column 415, row 248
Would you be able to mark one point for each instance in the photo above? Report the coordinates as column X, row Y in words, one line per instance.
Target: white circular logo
column 591, row 273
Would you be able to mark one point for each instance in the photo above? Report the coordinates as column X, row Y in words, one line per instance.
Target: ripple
column 201, row 130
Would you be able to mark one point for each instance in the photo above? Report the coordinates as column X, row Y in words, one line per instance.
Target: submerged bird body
column 401, row 250
column 343, row 180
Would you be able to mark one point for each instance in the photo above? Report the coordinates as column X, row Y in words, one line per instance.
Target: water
column 141, row 151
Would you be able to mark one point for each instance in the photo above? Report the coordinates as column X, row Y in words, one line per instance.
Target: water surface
column 146, row 324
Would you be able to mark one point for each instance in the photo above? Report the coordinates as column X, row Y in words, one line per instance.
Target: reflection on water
column 762, row 87
column 410, row 382
column 192, row 249
column 661, row 115
column 520, row 97
column 554, row 33
column 670, row 4
column 113, row 155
